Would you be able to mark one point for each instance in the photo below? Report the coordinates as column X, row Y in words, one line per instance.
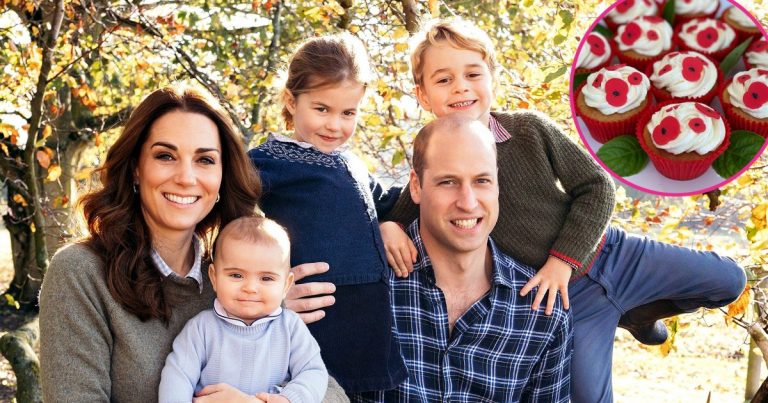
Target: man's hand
column 401, row 253
column 221, row 392
column 271, row 398
column 552, row 277
column 308, row 299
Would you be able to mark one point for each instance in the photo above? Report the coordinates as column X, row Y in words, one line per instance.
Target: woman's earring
column 218, row 197
column 135, row 187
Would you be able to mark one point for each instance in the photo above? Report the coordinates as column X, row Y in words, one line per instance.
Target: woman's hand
column 401, row 253
column 307, row 299
column 551, row 278
column 221, row 392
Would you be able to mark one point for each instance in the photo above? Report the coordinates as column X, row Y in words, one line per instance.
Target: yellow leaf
column 54, row 172
column 738, row 307
column 400, row 32
column 47, row 130
column 5, row 149
column 19, row 199
column 97, row 139
column 434, row 8
column 43, row 158
column 745, row 179
column 401, row 47
column 32, row 227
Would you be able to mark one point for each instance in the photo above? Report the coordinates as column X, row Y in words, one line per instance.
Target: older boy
column 555, row 205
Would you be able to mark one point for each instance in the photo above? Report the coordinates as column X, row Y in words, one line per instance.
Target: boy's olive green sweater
column 553, row 197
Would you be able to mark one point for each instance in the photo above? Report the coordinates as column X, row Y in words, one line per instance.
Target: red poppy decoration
column 707, row 111
column 596, row 45
column 666, row 69
column 615, row 67
column 654, row 19
column 616, row 91
column 692, row 68
column 697, row 125
column 671, row 108
column 598, row 81
column 720, row 24
column 632, row 32
column 691, row 28
column 667, row 130
column 707, row 36
column 652, row 35
column 762, row 72
column 756, row 95
column 625, row 5
column 635, row 78
column 742, row 78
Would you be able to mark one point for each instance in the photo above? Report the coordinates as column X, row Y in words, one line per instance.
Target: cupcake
column 745, row 101
column 643, row 41
column 707, row 36
column 683, row 139
column 741, row 23
column 629, row 10
column 686, row 10
column 612, row 100
column 595, row 54
column 684, row 76
column 757, row 54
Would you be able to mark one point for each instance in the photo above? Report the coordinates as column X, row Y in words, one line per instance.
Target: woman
column 111, row 305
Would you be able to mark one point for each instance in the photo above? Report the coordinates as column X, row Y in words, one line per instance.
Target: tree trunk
column 18, row 348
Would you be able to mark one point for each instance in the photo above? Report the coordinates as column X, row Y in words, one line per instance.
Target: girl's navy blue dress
column 329, row 205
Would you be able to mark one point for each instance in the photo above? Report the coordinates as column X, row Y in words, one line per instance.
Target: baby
column 247, row 340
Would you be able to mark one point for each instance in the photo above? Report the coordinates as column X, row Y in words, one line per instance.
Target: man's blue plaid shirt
column 499, row 351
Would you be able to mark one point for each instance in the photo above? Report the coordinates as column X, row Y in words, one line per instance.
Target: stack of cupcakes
column 677, row 67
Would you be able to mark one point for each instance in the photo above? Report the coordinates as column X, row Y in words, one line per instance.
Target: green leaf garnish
column 578, row 79
column 729, row 61
column 669, row 12
column 603, row 30
column 743, row 148
column 623, row 155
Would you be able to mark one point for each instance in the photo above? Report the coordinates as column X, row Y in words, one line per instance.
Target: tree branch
column 274, row 47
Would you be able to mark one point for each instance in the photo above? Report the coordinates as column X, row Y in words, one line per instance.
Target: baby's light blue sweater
column 273, row 355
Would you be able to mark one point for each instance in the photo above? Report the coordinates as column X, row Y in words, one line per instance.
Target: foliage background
column 108, row 54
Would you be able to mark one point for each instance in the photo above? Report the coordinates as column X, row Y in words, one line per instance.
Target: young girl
column 326, row 199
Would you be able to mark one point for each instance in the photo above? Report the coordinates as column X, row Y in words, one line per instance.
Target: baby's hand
column 271, row 398
column 552, row 277
column 401, row 253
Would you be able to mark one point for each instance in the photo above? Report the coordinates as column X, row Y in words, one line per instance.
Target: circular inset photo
column 671, row 97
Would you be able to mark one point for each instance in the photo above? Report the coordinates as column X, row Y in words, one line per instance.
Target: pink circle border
column 571, row 96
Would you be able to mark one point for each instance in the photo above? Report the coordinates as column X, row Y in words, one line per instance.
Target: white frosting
column 595, row 96
column 758, row 59
column 737, row 89
column 675, row 82
column 644, row 45
column 589, row 60
column 689, row 140
column 738, row 16
column 696, row 7
column 725, row 34
column 635, row 10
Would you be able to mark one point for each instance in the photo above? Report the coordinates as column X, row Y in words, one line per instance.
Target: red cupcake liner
column 605, row 131
column 719, row 55
column 675, row 169
column 739, row 122
column 663, row 95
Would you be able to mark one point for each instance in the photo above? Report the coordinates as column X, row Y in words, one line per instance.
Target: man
column 464, row 331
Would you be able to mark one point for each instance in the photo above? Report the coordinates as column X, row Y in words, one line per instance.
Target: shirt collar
column 303, row 144
column 503, row 265
column 195, row 273
column 500, row 134
column 225, row 316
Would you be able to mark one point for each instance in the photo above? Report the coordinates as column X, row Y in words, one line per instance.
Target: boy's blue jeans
column 629, row 272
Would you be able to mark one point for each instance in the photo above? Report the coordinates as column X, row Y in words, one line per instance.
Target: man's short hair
column 255, row 229
column 458, row 33
column 447, row 125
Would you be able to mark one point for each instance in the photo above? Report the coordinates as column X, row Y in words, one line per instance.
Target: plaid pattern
column 195, row 272
column 499, row 351
column 500, row 134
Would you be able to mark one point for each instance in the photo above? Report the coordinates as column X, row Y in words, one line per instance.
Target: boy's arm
column 183, row 365
column 383, row 199
column 309, row 378
column 550, row 380
column 591, row 190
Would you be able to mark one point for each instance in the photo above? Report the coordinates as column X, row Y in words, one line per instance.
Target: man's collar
column 502, row 264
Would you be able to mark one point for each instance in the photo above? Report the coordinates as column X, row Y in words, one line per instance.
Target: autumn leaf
column 739, row 306
column 434, row 8
column 759, row 218
column 43, row 157
column 5, row 149
column 19, row 199
column 54, row 172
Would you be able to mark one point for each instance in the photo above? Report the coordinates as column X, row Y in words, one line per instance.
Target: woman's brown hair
column 118, row 231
